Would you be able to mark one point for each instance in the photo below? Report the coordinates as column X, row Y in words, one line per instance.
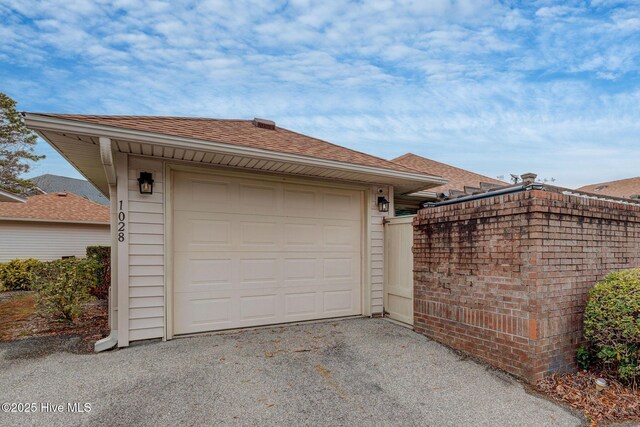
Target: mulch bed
column 616, row 403
column 20, row 318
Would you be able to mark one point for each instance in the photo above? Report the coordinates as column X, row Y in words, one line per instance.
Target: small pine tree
column 17, row 144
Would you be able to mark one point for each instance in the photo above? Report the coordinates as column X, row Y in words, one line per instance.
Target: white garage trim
column 122, row 220
column 170, row 169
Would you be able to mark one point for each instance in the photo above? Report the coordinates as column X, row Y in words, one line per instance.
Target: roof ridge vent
column 264, row 123
column 62, row 194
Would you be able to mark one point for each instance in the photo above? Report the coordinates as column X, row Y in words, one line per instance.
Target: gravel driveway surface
column 347, row 372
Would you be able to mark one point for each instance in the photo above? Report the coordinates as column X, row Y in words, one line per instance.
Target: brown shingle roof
column 238, row 132
column 621, row 188
column 458, row 178
column 56, row 207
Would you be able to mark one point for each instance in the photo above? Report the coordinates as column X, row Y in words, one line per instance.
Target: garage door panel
column 342, row 237
column 199, row 312
column 338, row 301
column 266, row 233
column 251, row 269
column 313, row 234
column 205, row 194
column 260, row 307
column 301, row 304
column 301, row 236
column 259, row 271
column 300, row 201
column 259, row 198
column 210, row 232
column 300, row 270
column 199, row 275
column 250, row 307
column 341, row 204
column 197, row 231
column 280, row 252
column 342, row 269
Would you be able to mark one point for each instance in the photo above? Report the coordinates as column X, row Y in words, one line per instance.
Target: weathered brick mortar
column 506, row 278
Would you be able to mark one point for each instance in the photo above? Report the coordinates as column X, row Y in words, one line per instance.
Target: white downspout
column 106, row 156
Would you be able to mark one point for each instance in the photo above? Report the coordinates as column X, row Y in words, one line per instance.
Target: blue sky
column 494, row 87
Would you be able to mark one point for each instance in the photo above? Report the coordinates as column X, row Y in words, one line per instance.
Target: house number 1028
column 121, row 224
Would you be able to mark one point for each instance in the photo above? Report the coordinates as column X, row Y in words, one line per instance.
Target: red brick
column 506, row 278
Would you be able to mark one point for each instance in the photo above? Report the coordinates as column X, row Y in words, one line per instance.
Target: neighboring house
column 222, row 224
column 56, row 183
column 51, row 226
column 626, row 188
column 8, row 196
column 459, row 182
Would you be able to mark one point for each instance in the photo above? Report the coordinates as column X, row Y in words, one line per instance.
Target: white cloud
column 554, row 11
column 487, row 85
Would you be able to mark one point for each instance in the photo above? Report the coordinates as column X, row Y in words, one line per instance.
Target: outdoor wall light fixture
column 383, row 204
column 146, row 183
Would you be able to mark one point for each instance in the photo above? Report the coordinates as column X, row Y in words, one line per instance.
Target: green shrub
column 18, row 274
column 64, row 285
column 102, row 254
column 612, row 323
column 583, row 357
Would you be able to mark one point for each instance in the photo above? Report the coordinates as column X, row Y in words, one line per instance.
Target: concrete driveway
column 347, row 372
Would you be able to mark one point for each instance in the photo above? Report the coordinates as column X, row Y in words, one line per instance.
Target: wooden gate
column 398, row 268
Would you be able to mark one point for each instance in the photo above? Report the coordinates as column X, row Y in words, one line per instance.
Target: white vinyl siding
column 376, row 231
column 47, row 241
column 146, row 252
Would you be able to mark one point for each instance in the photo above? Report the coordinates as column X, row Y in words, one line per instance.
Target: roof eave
column 422, row 195
column 41, row 122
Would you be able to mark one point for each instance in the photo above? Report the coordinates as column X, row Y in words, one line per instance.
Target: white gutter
column 106, row 156
column 43, row 122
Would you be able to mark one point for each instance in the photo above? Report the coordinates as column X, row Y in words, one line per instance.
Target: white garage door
column 251, row 252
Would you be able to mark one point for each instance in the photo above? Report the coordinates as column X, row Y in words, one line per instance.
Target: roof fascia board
column 41, row 122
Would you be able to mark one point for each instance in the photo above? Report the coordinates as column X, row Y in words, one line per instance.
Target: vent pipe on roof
column 264, row 123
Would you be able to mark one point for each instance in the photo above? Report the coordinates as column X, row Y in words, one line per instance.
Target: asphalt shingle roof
column 624, row 188
column 238, row 132
column 56, row 183
column 56, row 207
column 458, row 178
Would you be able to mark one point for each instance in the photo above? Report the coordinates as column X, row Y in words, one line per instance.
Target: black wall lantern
column 383, row 204
column 146, row 183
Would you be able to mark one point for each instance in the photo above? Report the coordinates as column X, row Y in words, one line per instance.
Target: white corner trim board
column 122, row 237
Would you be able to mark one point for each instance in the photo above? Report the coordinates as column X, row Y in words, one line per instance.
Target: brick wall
column 505, row 278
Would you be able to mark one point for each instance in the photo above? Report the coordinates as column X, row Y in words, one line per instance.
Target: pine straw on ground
column 20, row 318
column 616, row 403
